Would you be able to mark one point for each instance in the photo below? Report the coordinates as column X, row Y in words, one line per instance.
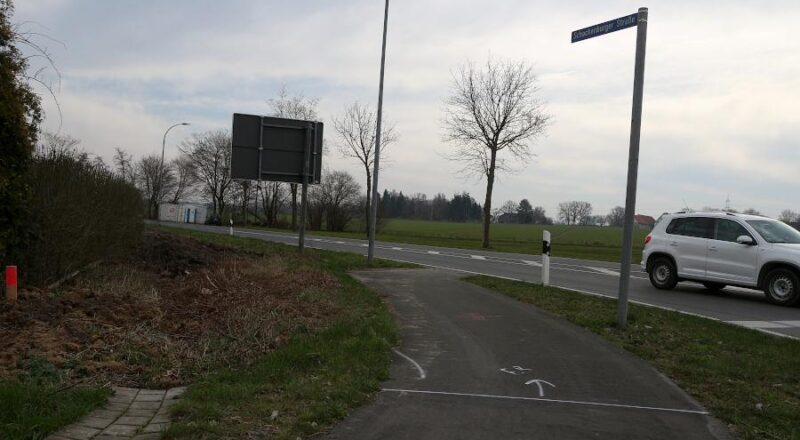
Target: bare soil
column 173, row 310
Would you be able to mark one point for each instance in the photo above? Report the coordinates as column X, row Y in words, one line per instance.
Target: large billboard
column 276, row 149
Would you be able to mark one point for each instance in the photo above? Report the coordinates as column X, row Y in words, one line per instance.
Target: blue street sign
column 605, row 28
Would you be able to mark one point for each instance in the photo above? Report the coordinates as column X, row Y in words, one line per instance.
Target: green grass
column 31, row 410
column 729, row 369
column 313, row 380
column 585, row 242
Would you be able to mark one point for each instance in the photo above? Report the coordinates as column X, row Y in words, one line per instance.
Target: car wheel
column 663, row 274
column 782, row 287
column 714, row 287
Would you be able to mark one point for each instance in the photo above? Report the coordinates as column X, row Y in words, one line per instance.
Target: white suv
column 719, row 249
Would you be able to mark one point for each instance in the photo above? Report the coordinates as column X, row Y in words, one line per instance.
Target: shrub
column 80, row 213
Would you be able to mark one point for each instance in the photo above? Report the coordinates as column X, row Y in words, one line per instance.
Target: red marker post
column 11, row 283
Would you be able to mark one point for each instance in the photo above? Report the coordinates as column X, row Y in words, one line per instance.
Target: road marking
column 790, row 323
column 539, row 383
column 338, row 242
column 478, row 257
column 539, row 399
column 759, row 324
column 532, row 263
column 433, row 252
column 364, row 244
column 397, row 248
column 603, row 270
column 413, row 362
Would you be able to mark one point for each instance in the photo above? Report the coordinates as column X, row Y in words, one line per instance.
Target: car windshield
column 775, row 232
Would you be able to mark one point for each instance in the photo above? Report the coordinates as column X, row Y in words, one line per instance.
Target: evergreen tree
column 20, row 115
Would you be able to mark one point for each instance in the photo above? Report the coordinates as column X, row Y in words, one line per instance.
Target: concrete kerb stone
column 130, row 414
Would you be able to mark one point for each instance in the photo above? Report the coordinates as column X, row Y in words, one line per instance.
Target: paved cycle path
column 474, row 364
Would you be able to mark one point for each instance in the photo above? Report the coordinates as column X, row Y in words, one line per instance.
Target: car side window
column 691, row 227
column 729, row 230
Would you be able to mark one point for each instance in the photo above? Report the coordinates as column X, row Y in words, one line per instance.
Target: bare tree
column 185, row 178
column 337, row 196
column 123, row 165
column 210, row 157
column 574, row 212
column 491, row 110
column 273, row 196
column 616, row 217
column 788, row 216
column 356, row 129
column 751, row 211
column 293, row 107
column 154, row 181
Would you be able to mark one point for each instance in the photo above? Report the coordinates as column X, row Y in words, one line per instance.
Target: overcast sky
column 722, row 87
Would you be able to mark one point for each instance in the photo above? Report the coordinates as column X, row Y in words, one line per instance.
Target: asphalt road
column 736, row 306
column 473, row 364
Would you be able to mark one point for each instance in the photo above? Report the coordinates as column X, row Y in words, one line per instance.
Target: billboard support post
column 304, row 205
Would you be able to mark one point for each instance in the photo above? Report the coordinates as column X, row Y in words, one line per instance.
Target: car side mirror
column 744, row 239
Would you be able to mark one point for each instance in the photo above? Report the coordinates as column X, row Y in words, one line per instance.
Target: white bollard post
column 231, row 230
column 546, row 258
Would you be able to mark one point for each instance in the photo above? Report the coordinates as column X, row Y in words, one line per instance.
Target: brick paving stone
column 106, row 413
column 93, row 421
column 121, row 430
column 135, row 421
column 160, row 418
column 147, row 437
column 140, row 412
column 155, row 427
column 78, row 432
column 145, row 405
column 116, row 406
column 149, row 397
column 111, row 437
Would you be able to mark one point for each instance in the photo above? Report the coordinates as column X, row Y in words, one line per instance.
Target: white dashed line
column 605, row 271
column 532, row 263
column 478, row 257
column 433, row 252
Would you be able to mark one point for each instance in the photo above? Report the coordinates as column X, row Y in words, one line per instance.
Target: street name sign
column 640, row 21
column 605, row 28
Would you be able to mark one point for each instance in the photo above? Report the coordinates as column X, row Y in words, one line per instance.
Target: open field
column 745, row 378
column 584, row 242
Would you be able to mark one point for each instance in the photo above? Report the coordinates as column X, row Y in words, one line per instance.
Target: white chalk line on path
column 541, row 399
column 413, row 362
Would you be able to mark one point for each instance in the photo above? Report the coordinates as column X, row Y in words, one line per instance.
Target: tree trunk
column 487, row 204
column 293, row 186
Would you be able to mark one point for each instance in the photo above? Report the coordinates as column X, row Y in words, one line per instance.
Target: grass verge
column 30, row 411
column 308, row 383
column 745, row 378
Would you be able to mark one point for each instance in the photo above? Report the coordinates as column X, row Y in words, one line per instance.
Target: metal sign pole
column 304, row 205
column 633, row 170
column 373, row 215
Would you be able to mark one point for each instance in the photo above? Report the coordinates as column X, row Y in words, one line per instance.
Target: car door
column 687, row 239
column 729, row 261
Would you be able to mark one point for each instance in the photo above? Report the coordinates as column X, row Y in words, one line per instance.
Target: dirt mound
column 175, row 309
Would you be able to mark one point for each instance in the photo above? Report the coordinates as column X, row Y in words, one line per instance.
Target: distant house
column 644, row 221
column 182, row 213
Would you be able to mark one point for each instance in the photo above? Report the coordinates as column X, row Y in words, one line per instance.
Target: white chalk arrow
column 539, row 383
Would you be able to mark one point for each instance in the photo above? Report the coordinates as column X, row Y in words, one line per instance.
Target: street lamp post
column 161, row 168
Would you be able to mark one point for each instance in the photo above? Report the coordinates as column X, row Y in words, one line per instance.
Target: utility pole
column 374, row 208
